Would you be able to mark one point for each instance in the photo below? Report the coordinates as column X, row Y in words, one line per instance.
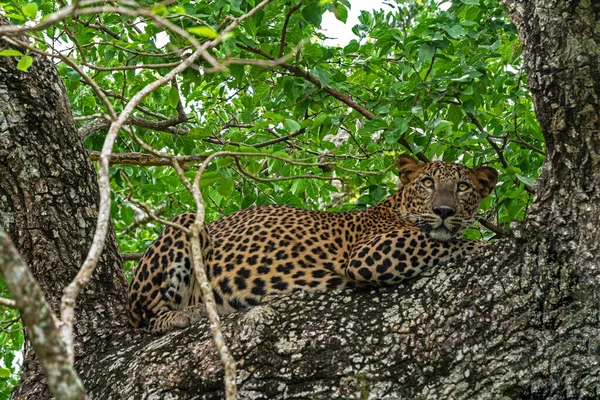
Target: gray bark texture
column 48, row 206
column 521, row 320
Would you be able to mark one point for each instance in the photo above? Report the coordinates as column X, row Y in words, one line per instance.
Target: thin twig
column 146, row 160
column 7, row 302
column 145, row 218
column 132, row 256
column 284, row 29
column 492, row 227
column 167, row 125
column 147, row 210
column 284, row 178
column 130, row 67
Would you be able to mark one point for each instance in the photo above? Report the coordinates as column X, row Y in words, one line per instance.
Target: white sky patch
column 340, row 34
column 162, row 38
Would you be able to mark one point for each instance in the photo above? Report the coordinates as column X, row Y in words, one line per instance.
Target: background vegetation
column 440, row 79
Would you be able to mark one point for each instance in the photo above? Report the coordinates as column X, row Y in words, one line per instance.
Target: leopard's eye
column 463, row 186
column 428, row 183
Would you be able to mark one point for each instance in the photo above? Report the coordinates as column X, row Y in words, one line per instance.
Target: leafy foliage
column 11, row 344
column 442, row 77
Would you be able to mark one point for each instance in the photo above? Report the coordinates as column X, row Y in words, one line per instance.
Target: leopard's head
column 442, row 198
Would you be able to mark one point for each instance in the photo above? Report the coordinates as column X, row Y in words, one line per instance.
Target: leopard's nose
column 444, row 212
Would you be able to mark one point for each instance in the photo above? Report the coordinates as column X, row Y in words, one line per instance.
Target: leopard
column 266, row 250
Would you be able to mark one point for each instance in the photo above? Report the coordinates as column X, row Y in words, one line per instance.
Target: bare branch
column 146, row 160
column 284, row 178
column 132, row 256
column 88, row 117
column 147, row 210
column 257, row 145
column 7, row 302
column 305, row 75
column 138, row 52
column 143, row 109
column 167, row 125
column 284, row 29
column 494, row 228
column 129, row 67
column 143, row 219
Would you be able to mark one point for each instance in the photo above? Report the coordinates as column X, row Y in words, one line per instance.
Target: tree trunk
column 48, row 205
column 520, row 321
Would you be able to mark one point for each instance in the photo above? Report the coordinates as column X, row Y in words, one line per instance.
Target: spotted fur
column 277, row 249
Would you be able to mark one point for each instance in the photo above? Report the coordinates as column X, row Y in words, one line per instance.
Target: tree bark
column 519, row 321
column 48, row 206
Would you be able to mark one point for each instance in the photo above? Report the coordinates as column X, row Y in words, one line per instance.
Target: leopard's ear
column 408, row 167
column 485, row 179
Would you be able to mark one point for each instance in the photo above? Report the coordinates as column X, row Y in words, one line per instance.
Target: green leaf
column 455, row 31
column 441, row 125
column 513, row 170
column 204, row 31
column 341, row 12
column 426, row 53
column 476, row 2
column 209, row 178
column 4, row 373
column 226, row 187
column 173, row 96
column 374, row 125
column 223, row 162
column 392, row 136
column 159, row 9
column 292, row 125
column 352, row 47
column 312, row 51
column 30, row 10
column 10, row 53
column 526, row 180
column 321, row 75
column 237, row 71
column 127, row 215
column 312, row 14
column 24, row 63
